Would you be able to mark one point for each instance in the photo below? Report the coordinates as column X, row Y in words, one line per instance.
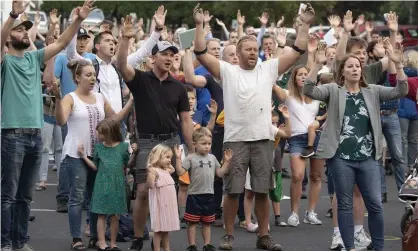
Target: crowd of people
column 203, row 129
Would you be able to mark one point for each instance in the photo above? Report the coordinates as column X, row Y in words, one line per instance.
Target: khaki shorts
column 257, row 156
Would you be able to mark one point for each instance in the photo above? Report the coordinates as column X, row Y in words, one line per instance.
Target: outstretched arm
column 208, row 61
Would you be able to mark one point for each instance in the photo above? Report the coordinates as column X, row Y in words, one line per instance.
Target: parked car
column 43, row 25
column 409, row 33
column 95, row 18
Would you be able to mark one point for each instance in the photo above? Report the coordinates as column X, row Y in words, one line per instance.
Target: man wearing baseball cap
column 21, row 139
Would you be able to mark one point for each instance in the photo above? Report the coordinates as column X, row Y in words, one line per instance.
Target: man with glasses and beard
column 21, row 140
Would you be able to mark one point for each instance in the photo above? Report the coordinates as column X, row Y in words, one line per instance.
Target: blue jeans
column 392, row 131
column 383, row 187
column 81, row 179
column 21, row 156
column 63, row 182
column 330, row 181
column 345, row 174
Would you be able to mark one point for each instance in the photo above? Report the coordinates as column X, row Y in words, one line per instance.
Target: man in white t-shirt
column 247, row 90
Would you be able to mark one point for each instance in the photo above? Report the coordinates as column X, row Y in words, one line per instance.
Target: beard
column 19, row 45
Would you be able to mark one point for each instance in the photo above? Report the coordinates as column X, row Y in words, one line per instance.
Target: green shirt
column 356, row 138
column 21, row 90
column 283, row 84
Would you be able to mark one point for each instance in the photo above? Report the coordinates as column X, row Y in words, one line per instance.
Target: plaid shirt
column 389, row 105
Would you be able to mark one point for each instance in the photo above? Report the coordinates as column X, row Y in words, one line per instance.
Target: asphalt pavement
column 50, row 231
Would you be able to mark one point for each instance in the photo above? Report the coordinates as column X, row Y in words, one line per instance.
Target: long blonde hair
column 156, row 153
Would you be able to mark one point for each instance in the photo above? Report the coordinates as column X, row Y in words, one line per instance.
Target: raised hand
column 334, row 21
column 360, row 19
column 18, row 7
column 264, row 18
column 313, row 43
column 348, row 21
column 308, row 14
column 280, row 22
column 219, row 22
column 369, row 27
column 178, row 151
column 127, row 30
column 24, row 17
column 228, row 155
column 198, row 15
column 395, row 54
column 56, row 90
column 37, row 18
column 85, row 10
column 49, row 40
column 240, row 18
column 392, row 21
column 159, row 17
column 213, row 107
column 320, row 57
column 134, row 147
column 281, row 36
column 53, row 19
column 285, row 112
column 207, row 16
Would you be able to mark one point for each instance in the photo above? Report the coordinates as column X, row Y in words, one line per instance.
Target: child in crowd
column 324, row 78
column 197, row 117
column 249, row 195
column 202, row 167
column 109, row 194
column 162, row 196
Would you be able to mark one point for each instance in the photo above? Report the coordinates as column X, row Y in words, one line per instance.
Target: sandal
column 80, row 246
column 93, row 243
column 104, row 249
column 115, row 249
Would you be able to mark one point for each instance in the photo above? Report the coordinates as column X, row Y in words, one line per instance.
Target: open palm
column 159, row 17
column 18, row 7
column 128, row 27
column 308, row 15
column 348, row 21
column 198, row 14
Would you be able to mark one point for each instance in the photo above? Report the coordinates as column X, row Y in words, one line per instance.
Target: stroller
column 408, row 194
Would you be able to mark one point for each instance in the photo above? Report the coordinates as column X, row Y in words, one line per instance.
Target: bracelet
column 197, row 53
column 12, row 15
column 294, row 47
column 280, row 46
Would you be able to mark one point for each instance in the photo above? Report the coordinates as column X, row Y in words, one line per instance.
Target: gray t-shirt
column 202, row 171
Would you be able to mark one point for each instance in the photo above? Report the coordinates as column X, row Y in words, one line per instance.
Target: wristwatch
column 12, row 15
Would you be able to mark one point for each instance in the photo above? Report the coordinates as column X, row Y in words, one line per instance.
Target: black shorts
column 199, row 208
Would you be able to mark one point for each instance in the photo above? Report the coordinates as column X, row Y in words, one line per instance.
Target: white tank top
column 301, row 114
column 82, row 124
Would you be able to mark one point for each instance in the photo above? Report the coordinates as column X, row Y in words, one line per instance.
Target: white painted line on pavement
column 43, row 210
column 50, row 184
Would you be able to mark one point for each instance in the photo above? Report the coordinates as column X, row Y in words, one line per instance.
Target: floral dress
column 109, row 194
column 356, row 138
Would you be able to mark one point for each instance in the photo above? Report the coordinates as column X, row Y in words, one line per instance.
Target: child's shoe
column 308, row 152
column 193, row 248
column 209, row 247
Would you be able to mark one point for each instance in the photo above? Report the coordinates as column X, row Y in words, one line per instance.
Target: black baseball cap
column 163, row 46
column 83, row 33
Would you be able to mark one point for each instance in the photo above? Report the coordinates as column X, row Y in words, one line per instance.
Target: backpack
column 97, row 69
column 126, row 229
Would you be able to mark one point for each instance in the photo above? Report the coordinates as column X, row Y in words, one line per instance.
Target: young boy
column 202, row 167
column 324, row 78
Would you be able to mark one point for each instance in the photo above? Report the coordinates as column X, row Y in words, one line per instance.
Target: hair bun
column 72, row 64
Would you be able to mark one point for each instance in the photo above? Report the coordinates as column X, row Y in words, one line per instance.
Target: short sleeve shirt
column 202, row 171
column 247, row 100
column 21, row 90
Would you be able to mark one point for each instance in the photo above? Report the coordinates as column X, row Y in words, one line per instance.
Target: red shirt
column 412, row 87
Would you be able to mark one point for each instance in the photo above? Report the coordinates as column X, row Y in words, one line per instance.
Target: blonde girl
column 162, row 196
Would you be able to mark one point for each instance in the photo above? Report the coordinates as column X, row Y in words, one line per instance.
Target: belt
column 166, row 136
column 388, row 112
column 29, row 131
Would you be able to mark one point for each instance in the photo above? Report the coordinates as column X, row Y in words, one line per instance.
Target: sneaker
column 337, row 242
column 252, row 228
column 361, row 239
column 329, row 213
column 208, row 247
column 307, row 153
column 218, row 223
column 183, row 223
column 6, row 249
column 62, row 207
column 25, row 247
column 192, row 248
column 243, row 224
column 137, row 244
column 267, row 243
column 226, row 242
column 54, row 168
column 285, row 174
column 293, row 220
column 304, row 196
column 311, row 218
column 279, row 223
